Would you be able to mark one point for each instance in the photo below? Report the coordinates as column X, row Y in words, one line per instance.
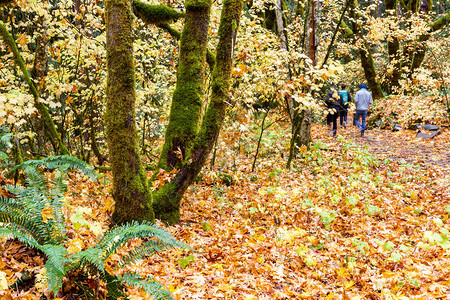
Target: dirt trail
column 404, row 146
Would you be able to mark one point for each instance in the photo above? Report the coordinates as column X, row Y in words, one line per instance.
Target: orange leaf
column 22, row 40
column 47, row 213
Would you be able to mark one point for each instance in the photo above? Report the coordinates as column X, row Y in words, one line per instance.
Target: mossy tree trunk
column 40, row 107
column 167, row 200
column 188, row 97
column 130, row 190
column 366, row 56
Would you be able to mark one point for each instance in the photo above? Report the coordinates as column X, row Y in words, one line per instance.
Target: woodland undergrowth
column 354, row 218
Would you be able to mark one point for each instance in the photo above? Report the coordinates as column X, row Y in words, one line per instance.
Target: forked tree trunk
column 130, row 191
column 187, row 102
column 167, row 200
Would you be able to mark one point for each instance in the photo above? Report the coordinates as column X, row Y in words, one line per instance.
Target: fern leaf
column 56, row 255
column 148, row 285
column 114, row 287
column 118, row 236
column 20, row 220
column 145, row 250
column 54, row 277
column 5, row 140
column 91, row 256
column 21, row 235
column 56, row 162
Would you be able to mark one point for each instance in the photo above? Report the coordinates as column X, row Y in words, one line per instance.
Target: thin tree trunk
column 130, row 191
column 259, row 139
column 41, row 108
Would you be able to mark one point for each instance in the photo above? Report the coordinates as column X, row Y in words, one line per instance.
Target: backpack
column 344, row 95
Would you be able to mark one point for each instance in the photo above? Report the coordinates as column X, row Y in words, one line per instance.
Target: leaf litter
column 354, row 218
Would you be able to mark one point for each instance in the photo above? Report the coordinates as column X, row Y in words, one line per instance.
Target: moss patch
column 155, row 14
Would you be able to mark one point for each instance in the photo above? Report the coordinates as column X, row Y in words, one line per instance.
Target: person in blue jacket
column 334, row 105
column 363, row 99
column 346, row 99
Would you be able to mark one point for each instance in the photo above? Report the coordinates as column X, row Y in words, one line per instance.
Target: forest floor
column 354, row 218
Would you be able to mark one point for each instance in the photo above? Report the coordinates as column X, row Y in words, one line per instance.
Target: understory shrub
column 34, row 216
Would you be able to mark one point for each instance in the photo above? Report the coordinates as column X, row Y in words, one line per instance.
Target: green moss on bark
column 167, row 200
column 187, row 102
column 155, row 14
column 130, row 191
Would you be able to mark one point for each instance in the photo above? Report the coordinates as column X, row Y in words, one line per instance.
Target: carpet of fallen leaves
column 354, row 218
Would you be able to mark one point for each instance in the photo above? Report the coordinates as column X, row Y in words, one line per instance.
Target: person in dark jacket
column 334, row 105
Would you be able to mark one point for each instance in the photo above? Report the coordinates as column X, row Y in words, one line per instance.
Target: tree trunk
column 393, row 50
column 303, row 118
column 130, row 191
column 420, row 49
column 365, row 54
column 167, row 200
column 187, row 102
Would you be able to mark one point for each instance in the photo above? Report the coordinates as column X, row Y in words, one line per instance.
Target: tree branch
column 155, row 14
column 346, row 5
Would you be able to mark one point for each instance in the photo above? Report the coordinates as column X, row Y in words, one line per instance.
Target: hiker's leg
column 335, row 117
column 357, row 115
column 363, row 115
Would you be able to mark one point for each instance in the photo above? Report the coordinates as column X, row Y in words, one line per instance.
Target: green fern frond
column 13, row 214
column 57, row 162
column 147, row 249
column 118, row 236
column 26, row 211
column 54, row 277
column 22, row 235
column 35, row 179
column 91, row 256
column 150, row 286
column 57, row 256
column 114, row 287
column 5, row 141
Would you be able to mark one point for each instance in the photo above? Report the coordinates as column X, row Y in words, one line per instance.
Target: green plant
column 34, row 216
column 5, row 143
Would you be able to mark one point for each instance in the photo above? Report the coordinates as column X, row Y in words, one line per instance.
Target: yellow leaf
column 75, row 245
column 225, row 287
column 3, row 281
column 47, row 213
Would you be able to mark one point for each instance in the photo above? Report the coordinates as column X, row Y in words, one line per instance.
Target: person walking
column 363, row 99
column 346, row 99
column 334, row 104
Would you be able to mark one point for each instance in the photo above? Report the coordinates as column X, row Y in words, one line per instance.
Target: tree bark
column 365, row 55
column 393, row 50
column 188, row 97
column 130, row 191
column 167, row 200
